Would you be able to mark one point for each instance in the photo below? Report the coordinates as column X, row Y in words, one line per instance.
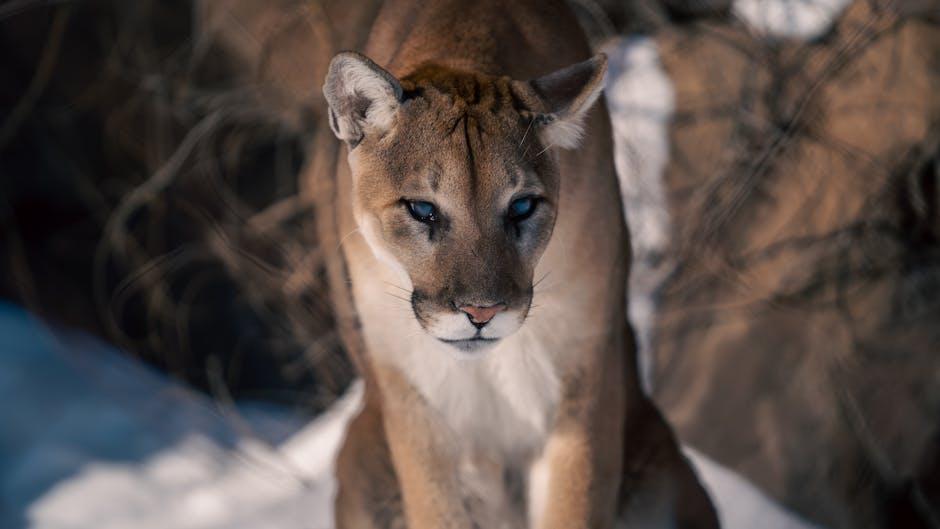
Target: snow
column 641, row 102
column 197, row 483
column 93, row 439
column 799, row 19
column 739, row 503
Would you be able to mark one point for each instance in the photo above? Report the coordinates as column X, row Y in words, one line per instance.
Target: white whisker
column 526, row 133
column 344, row 237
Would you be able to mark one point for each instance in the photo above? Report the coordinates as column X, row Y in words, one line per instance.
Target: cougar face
column 453, row 187
column 452, row 197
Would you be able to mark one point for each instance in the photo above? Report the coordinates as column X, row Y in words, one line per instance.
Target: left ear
column 566, row 96
column 363, row 98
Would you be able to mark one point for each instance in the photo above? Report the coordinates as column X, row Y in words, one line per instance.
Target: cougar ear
column 567, row 95
column 362, row 97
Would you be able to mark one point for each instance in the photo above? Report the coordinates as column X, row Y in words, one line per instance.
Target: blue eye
column 521, row 208
column 422, row 211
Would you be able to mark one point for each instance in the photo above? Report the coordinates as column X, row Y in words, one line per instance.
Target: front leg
column 424, row 457
column 575, row 482
column 611, row 457
column 580, row 493
column 368, row 495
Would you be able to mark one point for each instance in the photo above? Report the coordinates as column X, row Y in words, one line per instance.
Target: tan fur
column 448, row 437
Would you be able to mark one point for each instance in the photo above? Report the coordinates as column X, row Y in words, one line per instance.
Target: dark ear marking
column 545, row 119
column 334, row 126
column 363, row 98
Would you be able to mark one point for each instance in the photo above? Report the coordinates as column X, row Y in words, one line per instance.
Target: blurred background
column 167, row 352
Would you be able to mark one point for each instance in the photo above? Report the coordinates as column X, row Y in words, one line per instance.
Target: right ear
column 362, row 97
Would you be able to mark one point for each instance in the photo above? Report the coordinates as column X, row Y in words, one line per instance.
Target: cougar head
column 454, row 183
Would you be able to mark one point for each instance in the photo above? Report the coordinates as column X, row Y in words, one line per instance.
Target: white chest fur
column 501, row 401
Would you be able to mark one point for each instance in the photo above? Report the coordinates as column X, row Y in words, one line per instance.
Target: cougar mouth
column 471, row 345
column 468, row 326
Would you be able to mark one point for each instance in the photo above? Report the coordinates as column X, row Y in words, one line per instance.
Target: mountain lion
column 480, row 283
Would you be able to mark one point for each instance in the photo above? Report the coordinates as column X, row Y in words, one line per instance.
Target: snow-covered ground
column 92, row 439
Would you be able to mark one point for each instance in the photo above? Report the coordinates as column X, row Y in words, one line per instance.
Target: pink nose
column 482, row 315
